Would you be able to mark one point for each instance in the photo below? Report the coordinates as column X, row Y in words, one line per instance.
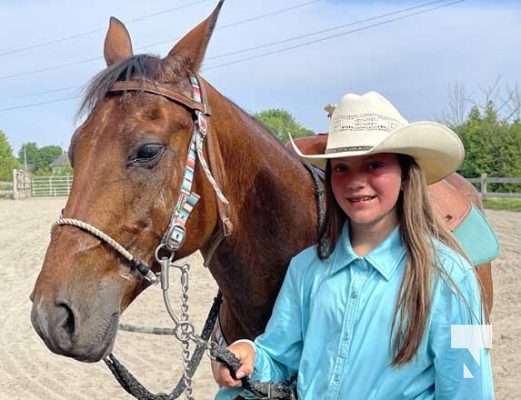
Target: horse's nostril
column 66, row 320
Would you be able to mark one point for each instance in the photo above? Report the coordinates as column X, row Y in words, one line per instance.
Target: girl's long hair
column 419, row 227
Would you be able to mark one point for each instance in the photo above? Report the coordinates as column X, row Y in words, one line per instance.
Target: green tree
column 46, row 155
column 8, row 161
column 28, row 154
column 38, row 159
column 492, row 146
column 476, row 135
column 281, row 123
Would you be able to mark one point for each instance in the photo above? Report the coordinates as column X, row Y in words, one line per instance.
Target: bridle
column 175, row 235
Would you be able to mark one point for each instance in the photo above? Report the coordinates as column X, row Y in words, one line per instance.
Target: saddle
column 448, row 202
column 450, row 205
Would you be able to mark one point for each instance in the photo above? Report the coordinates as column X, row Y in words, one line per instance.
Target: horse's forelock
column 139, row 67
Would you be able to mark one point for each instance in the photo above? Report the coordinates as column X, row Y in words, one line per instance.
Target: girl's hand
column 244, row 350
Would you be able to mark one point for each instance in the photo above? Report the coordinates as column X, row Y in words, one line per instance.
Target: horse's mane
column 139, row 67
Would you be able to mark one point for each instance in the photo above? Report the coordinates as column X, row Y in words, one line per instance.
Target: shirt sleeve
column 279, row 348
column 457, row 323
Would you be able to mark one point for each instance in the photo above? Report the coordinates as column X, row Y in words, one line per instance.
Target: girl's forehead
column 369, row 157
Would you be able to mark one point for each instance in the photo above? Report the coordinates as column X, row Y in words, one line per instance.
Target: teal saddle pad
column 477, row 238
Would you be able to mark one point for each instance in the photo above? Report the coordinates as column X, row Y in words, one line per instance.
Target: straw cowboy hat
column 370, row 124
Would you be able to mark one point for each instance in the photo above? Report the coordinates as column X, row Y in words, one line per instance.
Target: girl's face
column 367, row 189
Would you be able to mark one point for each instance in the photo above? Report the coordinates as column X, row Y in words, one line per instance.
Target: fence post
column 15, row 185
column 483, row 186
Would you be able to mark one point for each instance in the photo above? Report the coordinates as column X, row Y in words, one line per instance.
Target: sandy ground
column 29, row 370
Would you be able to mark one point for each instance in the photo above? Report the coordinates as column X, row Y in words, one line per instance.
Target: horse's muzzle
column 64, row 331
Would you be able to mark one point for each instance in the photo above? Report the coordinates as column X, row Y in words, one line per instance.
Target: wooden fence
column 6, row 189
column 21, row 184
column 18, row 188
column 485, row 180
column 25, row 185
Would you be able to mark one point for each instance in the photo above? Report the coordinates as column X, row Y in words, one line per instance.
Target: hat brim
column 437, row 149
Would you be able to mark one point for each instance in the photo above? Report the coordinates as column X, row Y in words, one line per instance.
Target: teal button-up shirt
column 332, row 321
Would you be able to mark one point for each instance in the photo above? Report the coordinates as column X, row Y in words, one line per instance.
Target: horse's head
column 129, row 159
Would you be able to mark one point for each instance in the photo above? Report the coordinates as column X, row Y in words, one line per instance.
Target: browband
column 154, row 88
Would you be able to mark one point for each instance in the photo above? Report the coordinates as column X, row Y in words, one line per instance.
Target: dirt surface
column 30, row 371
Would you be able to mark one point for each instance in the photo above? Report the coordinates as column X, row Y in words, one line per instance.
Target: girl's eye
column 374, row 165
column 339, row 168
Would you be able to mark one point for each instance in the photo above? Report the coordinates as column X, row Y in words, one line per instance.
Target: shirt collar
column 385, row 257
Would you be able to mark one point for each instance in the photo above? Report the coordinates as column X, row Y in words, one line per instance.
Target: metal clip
column 177, row 237
column 165, row 276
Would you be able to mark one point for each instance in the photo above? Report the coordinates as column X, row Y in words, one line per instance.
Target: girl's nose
column 356, row 180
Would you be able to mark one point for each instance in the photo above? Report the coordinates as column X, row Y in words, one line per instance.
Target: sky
column 298, row 55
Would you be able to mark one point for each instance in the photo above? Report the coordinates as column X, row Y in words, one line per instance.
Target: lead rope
column 136, row 389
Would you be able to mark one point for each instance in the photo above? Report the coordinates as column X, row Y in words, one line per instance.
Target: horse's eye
column 147, row 153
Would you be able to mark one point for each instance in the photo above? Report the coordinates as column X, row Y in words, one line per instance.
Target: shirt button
column 354, row 295
column 337, row 378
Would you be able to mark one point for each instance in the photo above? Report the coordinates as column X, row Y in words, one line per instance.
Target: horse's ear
column 190, row 50
column 118, row 45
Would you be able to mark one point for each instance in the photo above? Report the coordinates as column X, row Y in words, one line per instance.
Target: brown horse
column 129, row 158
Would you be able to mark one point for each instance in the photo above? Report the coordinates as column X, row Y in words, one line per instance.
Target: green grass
column 503, row 204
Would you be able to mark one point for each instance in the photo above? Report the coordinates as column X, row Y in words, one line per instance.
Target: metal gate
column 54, row 185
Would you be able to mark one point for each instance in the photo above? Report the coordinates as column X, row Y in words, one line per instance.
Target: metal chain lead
column 185, row 344
column 184, row 330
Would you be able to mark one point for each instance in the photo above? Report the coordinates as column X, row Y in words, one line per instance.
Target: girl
column 370, row 312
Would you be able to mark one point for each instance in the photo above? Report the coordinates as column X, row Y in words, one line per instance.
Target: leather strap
column 154, row 88
column 215, row 160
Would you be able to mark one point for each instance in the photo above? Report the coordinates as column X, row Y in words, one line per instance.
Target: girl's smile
column 361, row 200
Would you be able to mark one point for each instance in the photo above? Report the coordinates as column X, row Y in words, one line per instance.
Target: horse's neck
column 273, row 212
